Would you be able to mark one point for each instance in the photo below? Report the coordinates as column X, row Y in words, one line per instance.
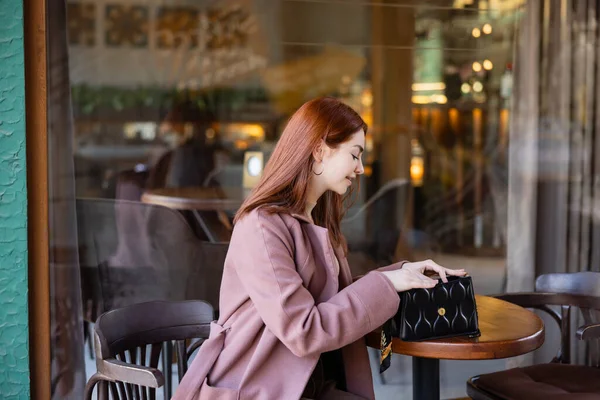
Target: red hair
column 284, row 184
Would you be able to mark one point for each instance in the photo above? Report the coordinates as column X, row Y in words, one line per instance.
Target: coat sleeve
column 266, row 268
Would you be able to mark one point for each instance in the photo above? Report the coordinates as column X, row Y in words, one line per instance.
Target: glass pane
column 469, row 160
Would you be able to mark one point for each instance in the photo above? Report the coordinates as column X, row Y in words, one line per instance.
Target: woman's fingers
column 414, row 275
column 441, row 271
column 456, row 272
column 433, row 266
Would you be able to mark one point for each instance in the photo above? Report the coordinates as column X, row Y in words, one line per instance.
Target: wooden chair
column 129, row 342
column 560, row 378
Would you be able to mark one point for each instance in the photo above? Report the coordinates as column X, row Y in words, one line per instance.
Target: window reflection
column 177, row 94
column 171, row 98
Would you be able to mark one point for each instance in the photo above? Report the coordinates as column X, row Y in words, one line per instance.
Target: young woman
column 291, row 320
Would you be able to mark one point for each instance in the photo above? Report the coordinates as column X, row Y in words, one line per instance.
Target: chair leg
column 168, row 368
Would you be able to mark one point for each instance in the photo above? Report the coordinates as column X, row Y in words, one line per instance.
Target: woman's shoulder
column 261, row 226
column 263, row 216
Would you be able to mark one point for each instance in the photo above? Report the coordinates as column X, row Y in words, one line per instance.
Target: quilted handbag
column 446, row 310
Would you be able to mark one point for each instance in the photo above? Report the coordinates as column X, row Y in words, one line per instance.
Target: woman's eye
column 354, row 157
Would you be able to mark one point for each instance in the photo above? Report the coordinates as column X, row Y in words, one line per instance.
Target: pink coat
column 282, row 304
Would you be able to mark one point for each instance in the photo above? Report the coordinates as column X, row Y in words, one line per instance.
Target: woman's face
column 343, row 164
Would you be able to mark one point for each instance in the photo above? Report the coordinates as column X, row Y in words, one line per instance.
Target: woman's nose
column 360, row 169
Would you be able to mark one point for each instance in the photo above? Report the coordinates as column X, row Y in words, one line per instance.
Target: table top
column 507, row 330
column 197, row 198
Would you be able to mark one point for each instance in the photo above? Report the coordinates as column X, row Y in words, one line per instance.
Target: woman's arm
column 266, row 268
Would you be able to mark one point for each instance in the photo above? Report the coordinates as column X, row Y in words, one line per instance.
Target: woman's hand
column 412, row 275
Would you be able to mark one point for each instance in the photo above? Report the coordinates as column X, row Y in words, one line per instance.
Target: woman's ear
column 319, row 151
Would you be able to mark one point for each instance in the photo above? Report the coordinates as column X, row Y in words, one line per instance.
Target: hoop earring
column 320, row 173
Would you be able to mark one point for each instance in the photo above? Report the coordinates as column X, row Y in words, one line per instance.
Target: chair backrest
column 135, row 335
column 580, row 283
column 580, row 290
column 139, row 252
column 388, row 192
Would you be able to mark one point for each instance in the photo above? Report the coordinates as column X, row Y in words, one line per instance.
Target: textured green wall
column 14, row 334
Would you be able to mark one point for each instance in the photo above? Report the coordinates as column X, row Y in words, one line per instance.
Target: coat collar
column 302, row 218
column 345, row 276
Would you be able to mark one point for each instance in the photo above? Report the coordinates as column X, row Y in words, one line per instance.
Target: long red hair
column 284, row 183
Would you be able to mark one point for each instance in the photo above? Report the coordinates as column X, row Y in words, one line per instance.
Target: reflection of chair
column 129, row 343
column 141, row 252
column 133, row 252
column 204, row 282
column 375, row 228
column 229, row 175
column 559, row 379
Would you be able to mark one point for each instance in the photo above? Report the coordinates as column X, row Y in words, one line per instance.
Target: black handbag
column 446, row 310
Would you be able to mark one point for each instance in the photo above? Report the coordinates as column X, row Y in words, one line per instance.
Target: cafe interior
column 481, row 153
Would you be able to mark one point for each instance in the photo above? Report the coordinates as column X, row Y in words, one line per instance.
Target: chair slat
column 136, row 392
column 143, row 360
column 181, row 359
column 122, row 390
column 129, row 391
column 155, row 354
column 102, row 389
column 114, row 391
column 133, row 355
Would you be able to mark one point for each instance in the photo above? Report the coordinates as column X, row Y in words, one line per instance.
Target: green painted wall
column 14, row 333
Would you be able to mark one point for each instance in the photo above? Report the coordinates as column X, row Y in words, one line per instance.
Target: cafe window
column 163, row 109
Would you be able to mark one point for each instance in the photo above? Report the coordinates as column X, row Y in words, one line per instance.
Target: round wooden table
column 507, row 330
column 196, row 199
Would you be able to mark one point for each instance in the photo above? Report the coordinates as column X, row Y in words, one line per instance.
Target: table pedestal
column 426, row 378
